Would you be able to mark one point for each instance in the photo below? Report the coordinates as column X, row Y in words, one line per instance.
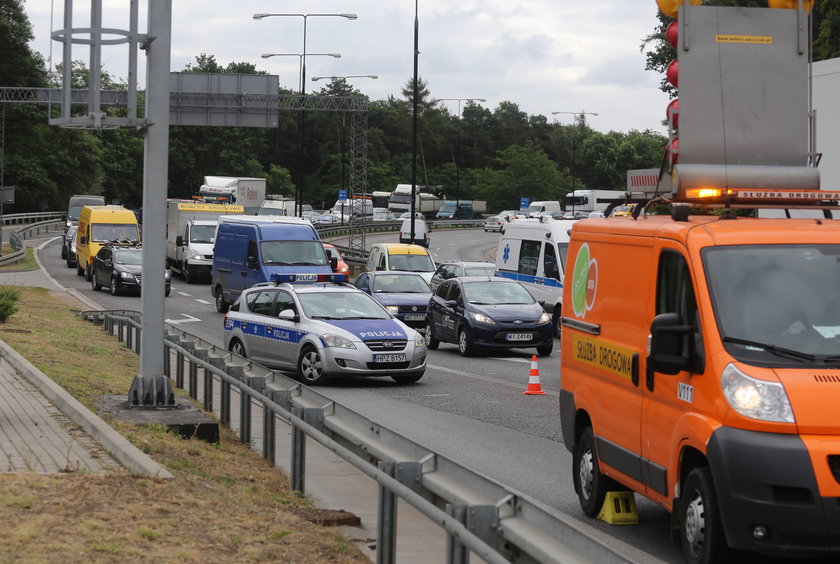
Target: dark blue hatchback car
column 480, row 312
column 404, row 294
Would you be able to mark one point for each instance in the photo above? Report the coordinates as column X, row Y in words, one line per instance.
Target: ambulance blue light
column 307, row 277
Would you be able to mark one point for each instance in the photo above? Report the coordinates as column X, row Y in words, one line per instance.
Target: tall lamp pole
column 302, row 78
column 458, row 145
column 344, row 126
column 581, row 115
column 412, row 208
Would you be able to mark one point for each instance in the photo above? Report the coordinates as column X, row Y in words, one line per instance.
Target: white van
column 421, row 232
column 533, row 252
column 536, row 208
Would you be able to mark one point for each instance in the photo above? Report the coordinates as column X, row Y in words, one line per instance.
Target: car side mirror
column 83, row 240
column 253, row 263
column 451, row 303
column 179, row 241
column 380, row 267
column 670, row 351
column 334, row 264
column 288, row 315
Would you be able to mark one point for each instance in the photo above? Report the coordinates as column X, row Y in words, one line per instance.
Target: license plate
column 420, row 317
column 518, row 337
column 389, row 358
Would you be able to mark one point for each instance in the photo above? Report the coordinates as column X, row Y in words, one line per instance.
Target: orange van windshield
column 777, row 305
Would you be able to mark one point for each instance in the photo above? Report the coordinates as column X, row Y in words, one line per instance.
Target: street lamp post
column 344, row 127
column 581, row 115
column 302, row 78
column 458, row 145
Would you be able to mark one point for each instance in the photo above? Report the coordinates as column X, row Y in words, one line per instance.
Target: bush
column 8, row 303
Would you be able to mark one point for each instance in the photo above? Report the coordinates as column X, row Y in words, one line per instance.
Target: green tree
column 523, row 170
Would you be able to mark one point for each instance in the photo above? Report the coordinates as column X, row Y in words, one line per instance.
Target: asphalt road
column 471, row 410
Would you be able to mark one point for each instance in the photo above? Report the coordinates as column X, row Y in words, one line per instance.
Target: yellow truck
column 99, row 225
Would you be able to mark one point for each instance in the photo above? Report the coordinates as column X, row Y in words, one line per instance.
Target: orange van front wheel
column 701, row 530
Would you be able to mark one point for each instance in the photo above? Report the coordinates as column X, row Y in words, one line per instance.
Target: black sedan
column 119, row 268
column 481, row 312
column 404, row 294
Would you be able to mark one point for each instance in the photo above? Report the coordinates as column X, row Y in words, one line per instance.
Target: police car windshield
column 412, row 263
column 496, row 292
column 408, row 284
column 203, row 233
column 302, row 253
column 341, row 305
column 776, row 296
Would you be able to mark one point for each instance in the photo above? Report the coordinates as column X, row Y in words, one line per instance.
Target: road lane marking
column 188, row 319
column 520, row 387
column 185, row 294
column 199, row 300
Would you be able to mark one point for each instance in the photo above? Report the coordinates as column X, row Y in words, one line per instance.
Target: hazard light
column 704, row 193
column 308, row 278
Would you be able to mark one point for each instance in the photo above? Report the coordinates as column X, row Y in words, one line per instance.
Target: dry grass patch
column 226, row 504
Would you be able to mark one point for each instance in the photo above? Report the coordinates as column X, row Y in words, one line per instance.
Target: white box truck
column 242, row 191
column 190, row 234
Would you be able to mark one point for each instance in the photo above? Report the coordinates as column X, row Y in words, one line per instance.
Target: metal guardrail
column 479, row 515
column 49, row 222
column 354, row 256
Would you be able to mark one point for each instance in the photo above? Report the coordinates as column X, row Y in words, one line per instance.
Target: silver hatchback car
column 318, row 326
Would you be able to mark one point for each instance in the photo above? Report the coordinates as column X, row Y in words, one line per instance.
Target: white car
column 320, row 327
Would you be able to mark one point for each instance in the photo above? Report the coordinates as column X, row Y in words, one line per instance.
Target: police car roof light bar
column 308, row 278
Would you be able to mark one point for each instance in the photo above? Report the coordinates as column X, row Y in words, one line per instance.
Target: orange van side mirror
column 670, row 345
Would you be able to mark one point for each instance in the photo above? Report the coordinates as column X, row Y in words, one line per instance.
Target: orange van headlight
column 756, row 399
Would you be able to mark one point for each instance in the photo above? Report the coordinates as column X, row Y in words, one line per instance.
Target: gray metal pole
column 386, row 529
column 151, row 386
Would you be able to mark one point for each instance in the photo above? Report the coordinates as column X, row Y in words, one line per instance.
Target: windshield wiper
column 778, row 351
column 325, row 317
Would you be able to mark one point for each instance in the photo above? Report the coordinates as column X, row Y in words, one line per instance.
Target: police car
column 318, row 326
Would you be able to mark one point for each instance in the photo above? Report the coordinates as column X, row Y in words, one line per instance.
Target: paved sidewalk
column 35, row 436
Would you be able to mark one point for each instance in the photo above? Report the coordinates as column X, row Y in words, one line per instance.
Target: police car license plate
column 389, row 357
column 415, row 317
column 518, row 337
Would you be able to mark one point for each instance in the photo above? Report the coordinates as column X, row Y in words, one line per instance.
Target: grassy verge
column 226, row 504
column 26, row 263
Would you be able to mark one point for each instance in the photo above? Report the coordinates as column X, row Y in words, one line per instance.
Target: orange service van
column 700, row 368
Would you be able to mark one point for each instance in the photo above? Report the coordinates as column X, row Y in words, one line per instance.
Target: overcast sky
column 543, row 55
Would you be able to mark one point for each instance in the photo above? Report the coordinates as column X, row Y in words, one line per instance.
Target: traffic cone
column 534, row 388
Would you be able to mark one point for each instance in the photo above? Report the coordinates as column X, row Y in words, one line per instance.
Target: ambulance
column 533, row 252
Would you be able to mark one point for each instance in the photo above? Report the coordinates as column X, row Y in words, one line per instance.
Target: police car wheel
column 465, row 347
column 590, row 484
column 701, row 532
column 237, row 348
column 429, row 337
column 311, row 367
